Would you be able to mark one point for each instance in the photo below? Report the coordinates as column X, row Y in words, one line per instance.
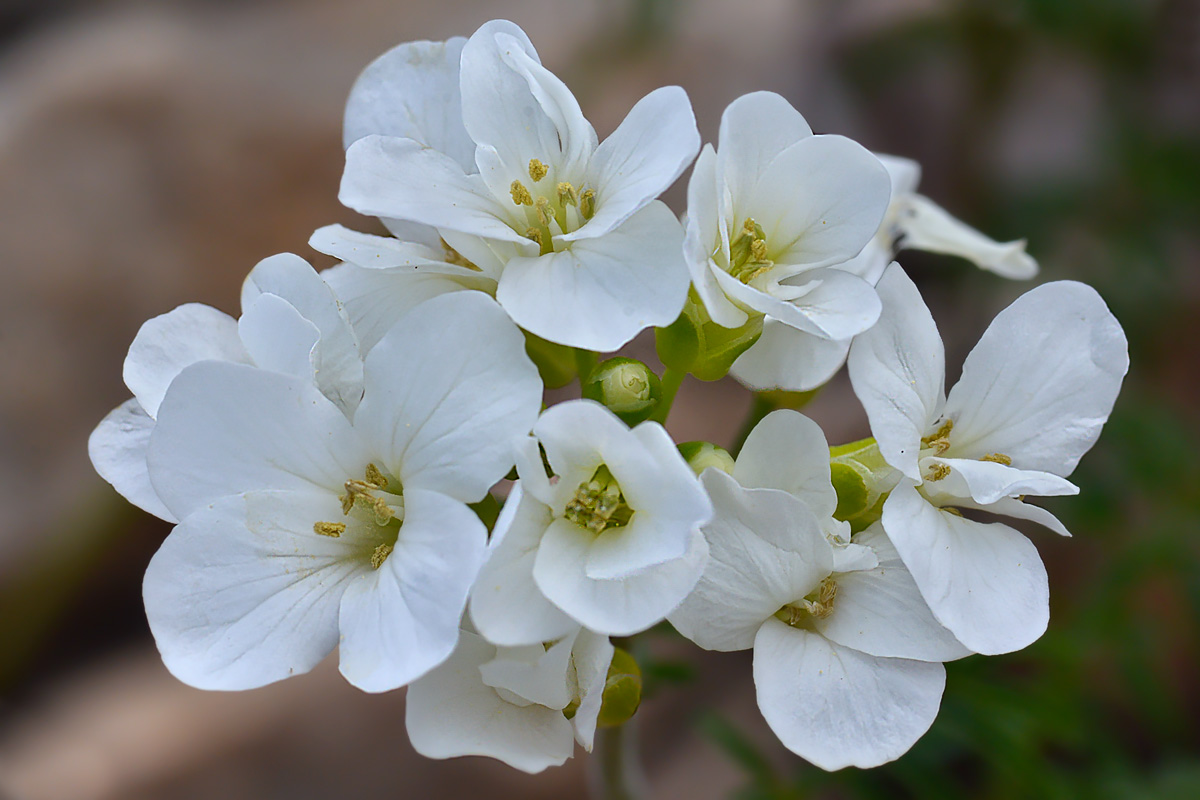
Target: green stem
column 758, row 409
column 616, row 772
column 671, row 380
column 585, row 362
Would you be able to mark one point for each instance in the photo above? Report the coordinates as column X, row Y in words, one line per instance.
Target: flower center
column 817, row 604
column 550, row 208
column 369, row 501
column 748, row 253
column 598, row 503
column 938, row 442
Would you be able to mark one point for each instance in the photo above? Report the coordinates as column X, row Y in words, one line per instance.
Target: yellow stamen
column 567, row 196
column 939, row 471
column 998, row 458
column 587, row 203
column 380, row 555
column 542, row 207
column 758, row 250
column 376, row 477
column 520, row 195
column 534, row 234
column 537, row 170
column 383, row 512
column 331, row 529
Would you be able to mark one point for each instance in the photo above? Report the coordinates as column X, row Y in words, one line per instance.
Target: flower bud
column 627, row 387
column 862, row 480
column 622, row 690
column 702, row 455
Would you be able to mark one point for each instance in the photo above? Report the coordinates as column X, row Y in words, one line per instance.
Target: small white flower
column 526, row 706
column 1033, row 396
column 582, row 252
column 611, row 543
column 303, row 530
column 846, row 653
column 291, row 323
column 914, row 222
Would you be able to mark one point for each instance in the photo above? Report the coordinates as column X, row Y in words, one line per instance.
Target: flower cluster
column 333, row 459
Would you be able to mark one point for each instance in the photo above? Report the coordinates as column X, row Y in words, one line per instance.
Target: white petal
column 702, row 239
column 375, row 299
column 450, row 712
column 448, row 391
column 987, row 481
column 506, row 605
column 645, row 155
column 591, row 658
column 1042, row 380
column 600, row 293
column 535, row 673
column 620, row 607
column 904, row 172
column 578, row 436
column 368, row 250
column 788, row 451
column 411, row 92
column 518, row 107
column 166, row 344
column 755, row 128
column 117, row 448
column 985, row 582
column 789, row 359
column 278, row 338
column 766, row 550
column 924, row 225
column 837, row 707
column 336, row 359
column 401, row 620
column 227, row 428
column 898, row 369
column 532, row 470
column 820, row 200
column 829, row 302
column 880, row 611
column 243, row 592
column 388, row 177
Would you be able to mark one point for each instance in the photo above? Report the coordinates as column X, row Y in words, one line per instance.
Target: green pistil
column 598, row 503
column 748, row 253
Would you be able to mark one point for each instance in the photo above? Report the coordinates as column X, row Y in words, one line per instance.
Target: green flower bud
column 622, row 690
column 627, row 387
column 555, row 362
column 702, row 455
column 694, row 343
column 862, row 480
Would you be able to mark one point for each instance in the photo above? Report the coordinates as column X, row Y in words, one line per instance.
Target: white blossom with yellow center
column 302, row 530
column 582, row 252
column 1033, row 396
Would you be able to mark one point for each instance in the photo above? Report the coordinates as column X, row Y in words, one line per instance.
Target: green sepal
column 627, row 387
column 695, row 344
column 702, row 455
column 488, row 511
column 851, row 488
column 622, row 690
column 555, row 362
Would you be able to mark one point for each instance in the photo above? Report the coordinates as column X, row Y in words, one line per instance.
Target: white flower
column 290, row 323
column 1033, row 396
column 611, row 543
column 845, row 650
column 769, row 213
column 303, row 530
column 914, row 222
column 583, row 253
column 526, row 706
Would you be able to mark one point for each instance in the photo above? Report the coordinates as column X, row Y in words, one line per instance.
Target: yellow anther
column 999, row 458
column 818, row 604
column 598, row 503
column 331, row 529
column 953, row 511
column 542, row 207
column 380, row 555
column 939, row 471
column 520, row 195
column 758, row 250
column 587, row 203
column 749, row 227
column 376, row 477
column 567, row 196
column 941, row 433
column 383, row 512
column 537, row 170
column 452, row 256
column 534, row 234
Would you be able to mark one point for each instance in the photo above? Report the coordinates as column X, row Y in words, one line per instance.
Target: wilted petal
column 898, row 369
column 985, row 582
column 118, row 448
column 243, row 592
column 1042, row 380
column 401, row 620
column 837, row 707
column 924, row 225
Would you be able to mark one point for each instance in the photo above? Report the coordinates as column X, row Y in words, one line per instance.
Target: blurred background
column 152, row 152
